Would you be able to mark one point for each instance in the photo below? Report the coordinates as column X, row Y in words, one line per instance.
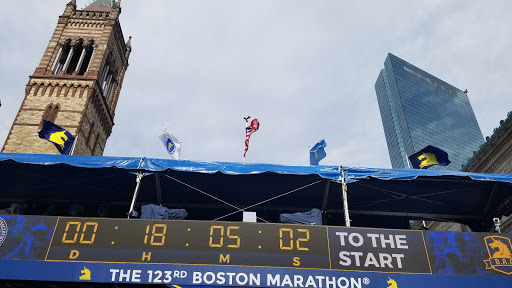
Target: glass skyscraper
column 419, row 109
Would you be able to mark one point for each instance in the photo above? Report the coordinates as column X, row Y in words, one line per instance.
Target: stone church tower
column 77, row 82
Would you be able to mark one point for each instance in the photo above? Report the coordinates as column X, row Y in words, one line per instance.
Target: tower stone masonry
column 77, row 83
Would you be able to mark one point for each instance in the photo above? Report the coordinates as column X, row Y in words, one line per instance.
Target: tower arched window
column 50, row 114
column 89, row 50
column 46, row 113
column 111, row 90
column 62, row 57
column 76, row 55
column 108, row 80
column 109, row 84
column 104, row 74
column 54, row 113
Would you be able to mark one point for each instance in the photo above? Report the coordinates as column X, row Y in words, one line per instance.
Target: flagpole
column 408, row 162
column 74, row 144
column 344, row 196
column 246, row 125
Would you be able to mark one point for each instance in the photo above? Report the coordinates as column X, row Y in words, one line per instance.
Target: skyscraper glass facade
column 419, row 109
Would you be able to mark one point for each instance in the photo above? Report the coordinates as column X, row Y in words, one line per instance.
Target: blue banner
column 205, row 253
column 191, row 275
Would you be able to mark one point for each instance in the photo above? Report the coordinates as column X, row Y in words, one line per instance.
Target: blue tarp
column 154, row 165
column 192, row 185
column 328, row 172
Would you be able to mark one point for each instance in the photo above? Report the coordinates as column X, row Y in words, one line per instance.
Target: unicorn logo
column 392, row 283
column 86, row 274
column 427, row 159
column 59, row 138
column 503, row 250
column 501, row 258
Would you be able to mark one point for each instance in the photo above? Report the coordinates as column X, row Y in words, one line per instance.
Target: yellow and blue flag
column 428, row 157
column 60, row 137
column 317, row 153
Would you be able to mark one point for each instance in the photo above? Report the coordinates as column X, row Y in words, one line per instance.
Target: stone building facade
column 494, row 156
column 77, row 83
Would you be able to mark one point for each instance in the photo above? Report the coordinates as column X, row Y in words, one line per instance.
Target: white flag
column 171, row 144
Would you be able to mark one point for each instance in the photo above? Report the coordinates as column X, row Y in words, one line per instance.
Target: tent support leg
column 495, row 189
column 324, row 203
column 133, row 212
column 158, row 188
column 345, row 202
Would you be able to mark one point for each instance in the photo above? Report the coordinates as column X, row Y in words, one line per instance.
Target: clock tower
column 77, row 83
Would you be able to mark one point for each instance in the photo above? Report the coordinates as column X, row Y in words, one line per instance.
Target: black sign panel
column 190, row 242
column 380, row 250
column 235, row 243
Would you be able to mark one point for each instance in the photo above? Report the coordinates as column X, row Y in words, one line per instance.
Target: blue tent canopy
column 49, row 184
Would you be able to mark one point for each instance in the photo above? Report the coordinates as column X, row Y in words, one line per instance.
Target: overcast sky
column 305, row 69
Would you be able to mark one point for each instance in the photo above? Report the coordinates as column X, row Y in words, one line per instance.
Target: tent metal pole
column 158, row 188
column 133, row 212
column 345, row 202
column 495, row 188
column 496, row 211
column 326, row 194
column 324, row 203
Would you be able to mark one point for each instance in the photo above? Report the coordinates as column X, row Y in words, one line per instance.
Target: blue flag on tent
column 60, row 137
column 317, row 153
column 428, row 157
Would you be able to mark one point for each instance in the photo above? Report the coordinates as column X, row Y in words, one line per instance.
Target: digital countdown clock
column 189, row 242
column 213, row 243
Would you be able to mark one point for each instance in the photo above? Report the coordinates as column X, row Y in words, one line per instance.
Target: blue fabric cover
column 152, row 211
column 353, row 174
column 312, row 217
column 414, row 193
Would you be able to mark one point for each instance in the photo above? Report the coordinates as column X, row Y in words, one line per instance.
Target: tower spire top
column 71, row 6
column 100, row 5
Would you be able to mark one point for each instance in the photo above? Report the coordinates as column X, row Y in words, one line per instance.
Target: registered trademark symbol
column 366, row 280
